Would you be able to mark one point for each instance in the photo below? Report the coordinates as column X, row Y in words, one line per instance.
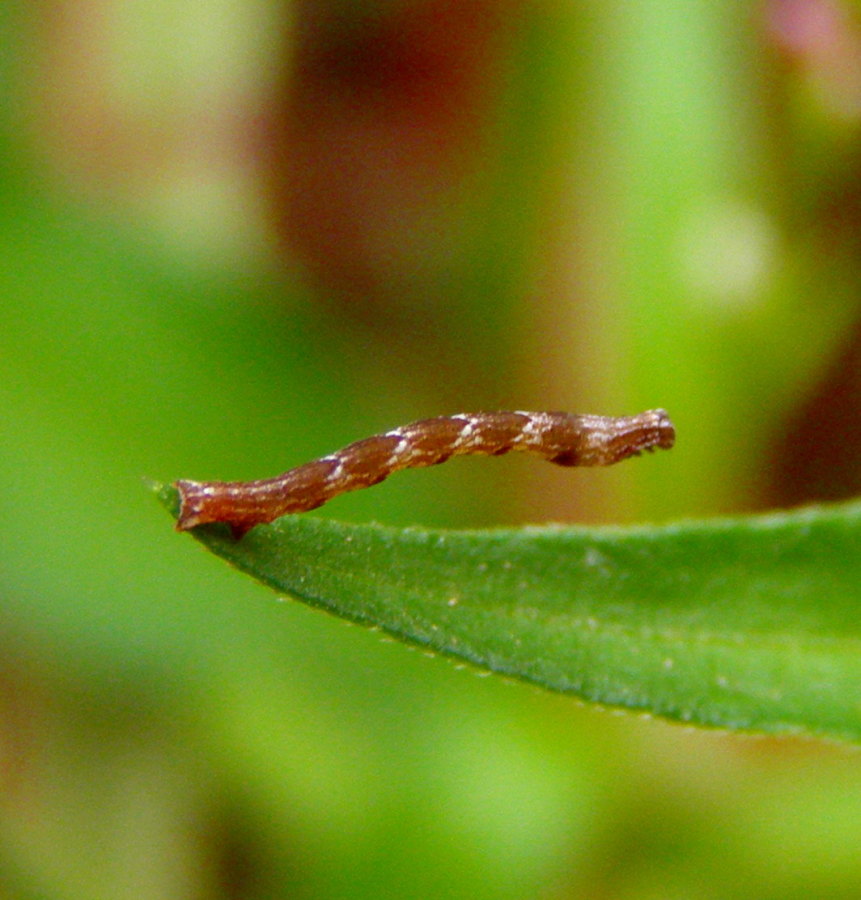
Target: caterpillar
column 561, row 438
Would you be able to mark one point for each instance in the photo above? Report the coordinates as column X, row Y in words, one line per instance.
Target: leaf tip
column 166, row 494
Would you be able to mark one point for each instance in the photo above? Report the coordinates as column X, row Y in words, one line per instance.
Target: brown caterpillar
column 562, row 438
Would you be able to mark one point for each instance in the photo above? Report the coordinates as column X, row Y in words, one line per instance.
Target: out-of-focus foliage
column 646, row 204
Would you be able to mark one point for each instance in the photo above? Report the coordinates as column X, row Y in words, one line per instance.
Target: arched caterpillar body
column 562, row 438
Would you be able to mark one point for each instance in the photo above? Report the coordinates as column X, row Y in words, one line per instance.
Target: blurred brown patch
column 818, row 457
column 383, row 111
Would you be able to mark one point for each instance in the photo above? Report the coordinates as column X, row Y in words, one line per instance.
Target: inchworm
column 562, row 438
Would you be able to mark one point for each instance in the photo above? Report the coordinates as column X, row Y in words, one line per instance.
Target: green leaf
column 750, row 624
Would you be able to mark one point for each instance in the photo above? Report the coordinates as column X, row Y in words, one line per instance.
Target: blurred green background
column 237, row 235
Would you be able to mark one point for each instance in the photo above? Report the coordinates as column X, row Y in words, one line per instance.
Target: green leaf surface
column 750, row 624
